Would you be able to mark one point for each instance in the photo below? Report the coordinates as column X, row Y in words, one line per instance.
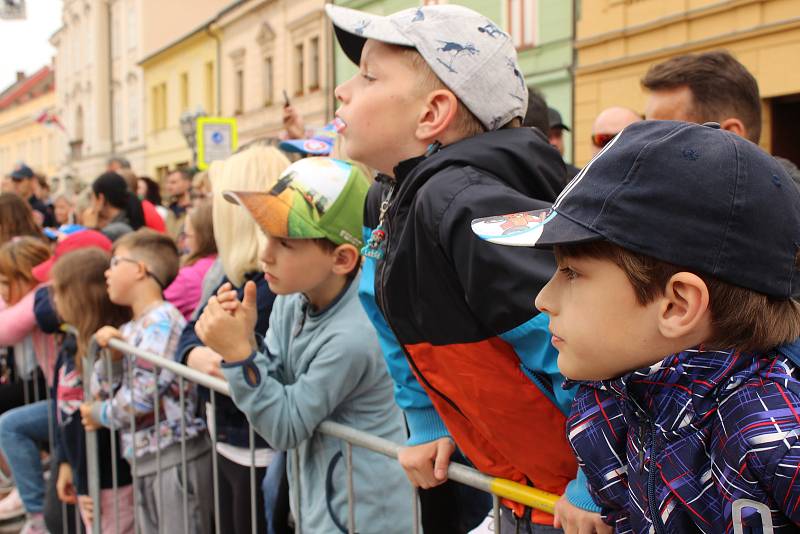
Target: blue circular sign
column 216, row 137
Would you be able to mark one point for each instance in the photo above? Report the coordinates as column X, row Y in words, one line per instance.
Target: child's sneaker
column 11, row 506
column 34, row 525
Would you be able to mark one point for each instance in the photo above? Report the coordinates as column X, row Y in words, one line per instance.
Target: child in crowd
column 143, row 263
column 184, row 292
column 436, row 108
column 239, row 242
column 319, row 360
column 679, row 243
column 81, row 300
column 34, row 358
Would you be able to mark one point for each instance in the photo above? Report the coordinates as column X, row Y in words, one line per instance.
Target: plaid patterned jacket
column 683, row 445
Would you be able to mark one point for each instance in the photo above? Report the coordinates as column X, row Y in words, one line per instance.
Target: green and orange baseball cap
column 313, row 198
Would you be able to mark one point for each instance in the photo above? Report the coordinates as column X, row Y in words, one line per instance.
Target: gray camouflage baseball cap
column 466, row 50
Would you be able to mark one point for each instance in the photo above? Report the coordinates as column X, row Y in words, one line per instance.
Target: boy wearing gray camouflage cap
column 436, row 108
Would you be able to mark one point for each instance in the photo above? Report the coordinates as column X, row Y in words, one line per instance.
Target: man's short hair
column 186, row 174
column 537, row 114
column 119, row 160
column 741, row 318
column 721, row 88
column 157, row 251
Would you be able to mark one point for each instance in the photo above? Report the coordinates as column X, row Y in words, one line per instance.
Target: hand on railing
column 206, row 361
column 104, row 336
column 226, row 325
column 89, row 422
column 64, row 487
column 426, row 465
column 573, row 519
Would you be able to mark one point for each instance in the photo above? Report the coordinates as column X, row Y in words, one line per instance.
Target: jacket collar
column 683, row 387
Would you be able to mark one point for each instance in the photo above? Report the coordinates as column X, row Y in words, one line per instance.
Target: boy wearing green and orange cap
column 320, row 359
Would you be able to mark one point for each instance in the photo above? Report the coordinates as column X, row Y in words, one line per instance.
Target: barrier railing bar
column 507, row 489
column 114, row 482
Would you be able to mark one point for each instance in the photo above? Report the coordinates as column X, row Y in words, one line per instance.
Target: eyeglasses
column 116, row 260
column 602, row 139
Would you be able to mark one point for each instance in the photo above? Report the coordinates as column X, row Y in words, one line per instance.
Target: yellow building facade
column 181, row 77
column 24, row 137
column 618, row 40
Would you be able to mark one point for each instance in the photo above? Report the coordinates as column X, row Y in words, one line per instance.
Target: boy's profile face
column 380, row 106
column 122, row 277
column 295, row 265
column 599, row 328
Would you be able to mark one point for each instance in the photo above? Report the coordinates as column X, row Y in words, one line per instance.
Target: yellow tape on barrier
column 535, row 498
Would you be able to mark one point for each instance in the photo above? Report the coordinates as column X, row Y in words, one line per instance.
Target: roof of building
column 37, row 84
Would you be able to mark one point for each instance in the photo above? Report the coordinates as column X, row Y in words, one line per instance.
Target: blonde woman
column 239, row 243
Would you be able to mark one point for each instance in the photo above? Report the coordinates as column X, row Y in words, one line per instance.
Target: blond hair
column 465, row 123
column 239, row 240
column 741, row 318
column 18, row 257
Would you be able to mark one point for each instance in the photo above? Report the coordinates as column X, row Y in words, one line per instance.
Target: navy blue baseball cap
column 687, row 194
column 22, row 172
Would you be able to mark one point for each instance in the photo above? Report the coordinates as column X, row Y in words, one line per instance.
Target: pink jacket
column 185, row 291
column 17, row 322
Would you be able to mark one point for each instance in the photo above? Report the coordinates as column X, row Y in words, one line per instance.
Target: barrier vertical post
column 157, row 423
column 252, row 437
column 298, row 520
column 496, row 514
column 182, row 385
column 114, row 481
column 134, row 474
column 351, row 498
column 214, row 462
column 92, row 458
column 415, row 508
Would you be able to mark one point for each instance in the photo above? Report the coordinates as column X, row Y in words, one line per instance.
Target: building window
column 133, row 39
column 299, row 67
column 133, row 113
column 239, row 91
column 116, row 110
column 314, row 74
column 522, row 22
column 159, row 106
column 209, row 83
column 184, row 91
column 268, row 81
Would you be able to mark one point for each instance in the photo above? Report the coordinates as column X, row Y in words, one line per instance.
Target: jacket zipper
column 655, row 515
column 382, row 304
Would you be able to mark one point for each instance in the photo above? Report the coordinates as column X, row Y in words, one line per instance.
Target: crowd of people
column 635, row 352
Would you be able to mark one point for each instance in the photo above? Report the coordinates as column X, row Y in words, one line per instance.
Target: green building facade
column 542, row 29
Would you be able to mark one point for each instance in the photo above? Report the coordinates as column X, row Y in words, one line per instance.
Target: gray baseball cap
column 467, row 51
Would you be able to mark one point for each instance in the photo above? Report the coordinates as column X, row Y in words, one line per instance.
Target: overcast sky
column 24, row 44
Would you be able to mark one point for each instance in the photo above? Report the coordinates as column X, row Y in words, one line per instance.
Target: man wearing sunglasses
column 609, row 123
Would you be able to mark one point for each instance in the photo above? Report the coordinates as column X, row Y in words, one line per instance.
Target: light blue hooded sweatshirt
column 320, row 366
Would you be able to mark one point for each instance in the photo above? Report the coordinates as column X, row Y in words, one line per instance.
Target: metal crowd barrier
column 498, row 488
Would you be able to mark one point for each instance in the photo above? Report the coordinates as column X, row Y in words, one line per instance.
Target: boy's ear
column 684, row 309
column 436, row 116
column 345, row 258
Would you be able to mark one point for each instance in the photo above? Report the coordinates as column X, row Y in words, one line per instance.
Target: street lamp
column 188, row 122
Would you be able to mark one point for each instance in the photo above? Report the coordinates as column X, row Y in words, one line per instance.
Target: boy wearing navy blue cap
column 679, row 244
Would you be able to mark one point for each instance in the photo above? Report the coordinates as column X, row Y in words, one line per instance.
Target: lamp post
column 188, row 122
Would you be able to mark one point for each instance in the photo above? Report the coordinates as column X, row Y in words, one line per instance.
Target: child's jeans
column 200, row 498
column 108, row 522
column 22, row 431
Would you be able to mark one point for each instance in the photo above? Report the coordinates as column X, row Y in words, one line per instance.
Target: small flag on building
column 47, row 118
column 12, row 9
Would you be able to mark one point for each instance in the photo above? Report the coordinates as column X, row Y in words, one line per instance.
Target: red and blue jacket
column 468, row 352
column 705, row 441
